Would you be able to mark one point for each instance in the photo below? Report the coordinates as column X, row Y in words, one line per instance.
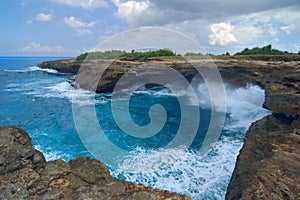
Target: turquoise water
column 40, row 102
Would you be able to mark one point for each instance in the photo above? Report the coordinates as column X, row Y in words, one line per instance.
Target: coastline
column 269, row 161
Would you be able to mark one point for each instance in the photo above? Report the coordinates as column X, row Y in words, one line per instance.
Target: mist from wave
column 199, row 176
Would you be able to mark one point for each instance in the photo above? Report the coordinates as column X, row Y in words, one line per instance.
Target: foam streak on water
column 32, row 68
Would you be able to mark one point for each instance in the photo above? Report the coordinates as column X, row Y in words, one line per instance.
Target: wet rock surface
column 268, row 166
column 24, row 174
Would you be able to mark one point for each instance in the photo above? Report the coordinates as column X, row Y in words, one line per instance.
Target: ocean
column 41, row 102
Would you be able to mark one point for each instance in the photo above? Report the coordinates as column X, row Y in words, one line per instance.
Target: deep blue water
column 40, row 102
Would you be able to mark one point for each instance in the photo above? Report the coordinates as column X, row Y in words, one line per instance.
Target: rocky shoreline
column 25, row 174
column 268, row 165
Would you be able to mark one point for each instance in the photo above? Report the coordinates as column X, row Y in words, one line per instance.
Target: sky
column 71, row 27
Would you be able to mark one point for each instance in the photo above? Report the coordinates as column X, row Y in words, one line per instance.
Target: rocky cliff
column 24, row 174
column 268, row 166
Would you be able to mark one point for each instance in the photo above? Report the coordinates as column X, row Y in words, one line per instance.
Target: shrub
column 101, row 55
column 133, row 55
column 266, row 50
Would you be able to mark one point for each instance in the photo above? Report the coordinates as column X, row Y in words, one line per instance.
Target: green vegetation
column 193, row 54
column 113, row 54
column 266, row 53
column 257, row 53
column 284, row 57
column 101, row 55
column 266, row 50
column 143, row 56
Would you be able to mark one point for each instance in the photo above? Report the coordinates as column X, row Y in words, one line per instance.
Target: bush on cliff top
column 142, row 56
column 100, row 55
column 266, row 50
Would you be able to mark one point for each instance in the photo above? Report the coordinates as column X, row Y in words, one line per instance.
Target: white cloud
column 44, row 17
column 258, row 23
column 77, row 23
column 85, row 4
column 288, row 28
column 157, row 12
column 288, row 15
column 130, row 10
column 221, row 34
column 252, row 33
column 297, row 46
column 84, row 31
column 29, row 21
column 41, row 17
column 290, row 18
column 80, row 26
column 34, row 47
column 254, row 28
column 25, row 2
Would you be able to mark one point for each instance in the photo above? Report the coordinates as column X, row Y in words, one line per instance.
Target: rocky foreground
column 24, row 174
column 268, row 166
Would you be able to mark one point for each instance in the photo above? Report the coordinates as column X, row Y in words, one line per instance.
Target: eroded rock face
column 269, row 162
column 24, row 174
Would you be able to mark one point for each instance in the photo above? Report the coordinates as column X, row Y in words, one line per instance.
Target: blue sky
column 70, row 27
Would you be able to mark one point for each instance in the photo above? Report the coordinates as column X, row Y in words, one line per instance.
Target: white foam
column 201, row 177
column 79, row 96
column 156, row 91
column 27, row 88
column 190, row 174
column 35, row 68
column 51, row 154
column 244, row 106
column 141, row 160
column 162, row 92
column 47, row 89
column 32, row 68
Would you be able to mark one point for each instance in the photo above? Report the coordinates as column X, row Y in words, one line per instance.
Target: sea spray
column 199, row 176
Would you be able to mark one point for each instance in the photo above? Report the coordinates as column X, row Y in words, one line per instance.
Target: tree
column 265, row 50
